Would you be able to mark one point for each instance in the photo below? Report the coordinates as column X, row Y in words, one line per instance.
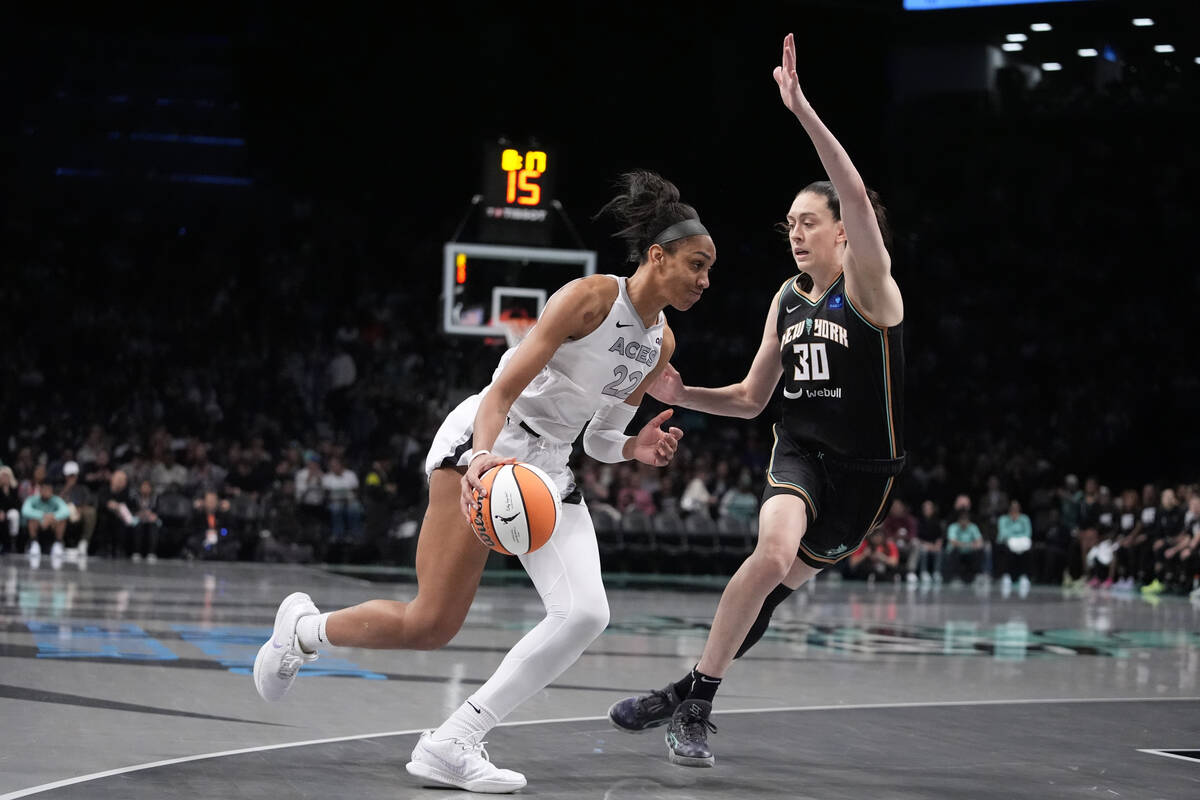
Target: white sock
column 470, row 722
column 310, row 632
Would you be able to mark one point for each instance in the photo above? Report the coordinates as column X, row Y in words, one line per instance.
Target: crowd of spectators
column 183, row 390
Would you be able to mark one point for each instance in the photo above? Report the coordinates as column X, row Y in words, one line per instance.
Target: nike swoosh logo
column 472, row 705
column 626, row 325
column 792, row 308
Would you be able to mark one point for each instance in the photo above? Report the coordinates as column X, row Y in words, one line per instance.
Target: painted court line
column 45, row 787
column 1165, row 754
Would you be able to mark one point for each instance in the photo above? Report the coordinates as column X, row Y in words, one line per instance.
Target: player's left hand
column 653, row 445
column 789, row 84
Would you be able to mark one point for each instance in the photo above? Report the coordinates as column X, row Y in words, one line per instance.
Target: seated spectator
column 168, row 474
column 10, row 510
column 1129, row 537
column 696, row 497
column 82, row 505
column 45, row 513
column 310, row 493
column 1179, row 572
column 964, row 548
column 204, row 476
column 291, row 463
column 345, row 509
column 137, row 468
column 931, row 534
column 900, row 526
column 597, row 488
column 213, row 538
column 144, row 535
column 379, row 498
column 1054, row 540
column 876, row 559
column 1166, row 532
column 632, row 495
column 739, row 502
column 248, row 477
column 96, row 474
column 1014, row 540
column 116, row 516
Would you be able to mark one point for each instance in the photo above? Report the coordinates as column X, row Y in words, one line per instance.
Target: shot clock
column 518, row 193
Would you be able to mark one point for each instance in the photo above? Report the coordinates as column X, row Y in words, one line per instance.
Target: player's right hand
column 667, row 387
column 471, row 486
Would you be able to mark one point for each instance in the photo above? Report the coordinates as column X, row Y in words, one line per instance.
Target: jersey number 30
column 811, row 365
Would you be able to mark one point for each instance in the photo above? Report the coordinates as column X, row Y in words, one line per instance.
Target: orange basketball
column 520, row 511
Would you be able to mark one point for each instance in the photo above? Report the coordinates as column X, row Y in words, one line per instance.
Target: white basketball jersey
column 591, row 373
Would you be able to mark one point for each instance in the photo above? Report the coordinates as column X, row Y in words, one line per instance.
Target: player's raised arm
column 746, row 398
column 868, row 264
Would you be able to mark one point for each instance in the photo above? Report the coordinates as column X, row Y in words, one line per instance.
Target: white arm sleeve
column 604, row 439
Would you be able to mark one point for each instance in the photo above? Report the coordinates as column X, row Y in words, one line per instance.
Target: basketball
column 520, row 511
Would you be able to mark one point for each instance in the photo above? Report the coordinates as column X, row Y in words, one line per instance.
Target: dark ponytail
column 646, row 204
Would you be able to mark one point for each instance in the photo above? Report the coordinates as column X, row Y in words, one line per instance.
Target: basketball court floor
column 133, row 681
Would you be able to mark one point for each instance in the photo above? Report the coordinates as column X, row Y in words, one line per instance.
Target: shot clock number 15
column 523, row 173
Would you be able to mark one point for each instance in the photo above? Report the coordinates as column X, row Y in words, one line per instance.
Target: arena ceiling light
column 1088, row 52
column 1017, row 37
column 1012, row 47
column 1051, row 66
column 1142, row 22
column 1164, row 48
column 1041, row 27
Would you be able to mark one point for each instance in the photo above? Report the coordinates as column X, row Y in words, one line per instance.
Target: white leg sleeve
column 566, row 573
column 14, row 522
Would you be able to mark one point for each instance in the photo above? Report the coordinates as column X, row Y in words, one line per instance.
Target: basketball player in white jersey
column 599, row 342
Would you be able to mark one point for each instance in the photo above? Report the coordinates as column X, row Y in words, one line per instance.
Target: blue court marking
column 122, row 640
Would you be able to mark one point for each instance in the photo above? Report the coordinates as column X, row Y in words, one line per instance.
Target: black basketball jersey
column 843, row 376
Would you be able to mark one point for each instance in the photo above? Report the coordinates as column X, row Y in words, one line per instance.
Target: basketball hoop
column 516, row 329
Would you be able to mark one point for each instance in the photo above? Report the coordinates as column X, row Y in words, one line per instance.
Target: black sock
column 682, row 687
column 704, row 687
column 777, row 596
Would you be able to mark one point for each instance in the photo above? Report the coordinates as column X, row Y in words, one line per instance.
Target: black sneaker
column 636, row 714
column 687, row 735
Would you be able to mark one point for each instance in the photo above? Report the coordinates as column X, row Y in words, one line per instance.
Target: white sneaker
column 35, row 549
column 458, row 762
column 279, row 659
column 57, row 550
column 151, row 558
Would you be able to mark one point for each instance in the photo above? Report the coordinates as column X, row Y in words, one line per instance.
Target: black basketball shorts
column 844, row 498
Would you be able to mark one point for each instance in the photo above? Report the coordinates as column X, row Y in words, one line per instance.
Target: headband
column 681, row 230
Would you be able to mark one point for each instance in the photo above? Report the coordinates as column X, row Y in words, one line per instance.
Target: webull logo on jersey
column 635, row 351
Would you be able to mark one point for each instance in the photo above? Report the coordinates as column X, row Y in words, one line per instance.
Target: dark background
column 1043, row 232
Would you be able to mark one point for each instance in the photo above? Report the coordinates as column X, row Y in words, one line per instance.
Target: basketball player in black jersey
column 833, row 332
